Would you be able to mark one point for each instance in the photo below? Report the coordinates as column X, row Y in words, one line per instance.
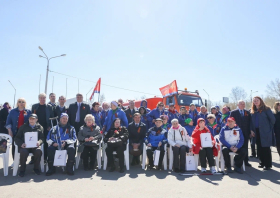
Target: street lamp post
column 15, row 93
column 208, row 100
column 252, row 95
column 87, row 94
column 48, row 60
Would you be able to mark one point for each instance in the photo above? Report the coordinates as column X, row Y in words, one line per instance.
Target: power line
column 103, row 84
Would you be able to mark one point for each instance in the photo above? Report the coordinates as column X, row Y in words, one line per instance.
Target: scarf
column 114, row 111
column 176, row 127
column 212, row 124
column 173, row 112
column 225, row 115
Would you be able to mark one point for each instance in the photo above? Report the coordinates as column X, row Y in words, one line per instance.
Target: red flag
column 169, row 89
column 96, row 88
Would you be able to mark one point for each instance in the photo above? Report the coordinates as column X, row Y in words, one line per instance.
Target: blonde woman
column 16, row 118
column 89, row 132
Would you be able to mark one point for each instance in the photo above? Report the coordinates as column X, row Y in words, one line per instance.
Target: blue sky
column 139, row 45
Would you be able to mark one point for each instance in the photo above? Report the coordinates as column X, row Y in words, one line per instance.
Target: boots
column 91, row 164
column 69, row 167
column 51, row 169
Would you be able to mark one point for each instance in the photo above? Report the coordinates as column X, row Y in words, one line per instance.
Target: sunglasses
column 161, row 105
column 209, row 118
column 21, row 102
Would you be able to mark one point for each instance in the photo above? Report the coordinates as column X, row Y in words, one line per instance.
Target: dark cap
column 33, row 115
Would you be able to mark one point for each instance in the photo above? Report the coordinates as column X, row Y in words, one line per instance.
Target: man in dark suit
column 61, row 108
column 130, row 111
column 137, row 132
column 77, row 112
column 243, row 120
column 52, row 97
column 44, row 112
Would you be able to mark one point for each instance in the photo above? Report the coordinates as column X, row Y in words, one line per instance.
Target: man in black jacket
column 31, row 126
column 137, row 132
column 243, row 120
column 61, row 108
column 52, row 97
column 77, row 112
column 130, row 111
column 44, row 112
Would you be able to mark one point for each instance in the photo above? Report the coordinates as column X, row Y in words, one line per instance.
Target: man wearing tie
column 61, row 108
column 137, row 132
column 243, row 120
column 77, row 112
column 52, row 97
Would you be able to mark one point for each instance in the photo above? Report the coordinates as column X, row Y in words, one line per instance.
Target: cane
column 51, row 119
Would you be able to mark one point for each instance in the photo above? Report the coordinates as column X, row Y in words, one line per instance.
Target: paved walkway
column 139, row 183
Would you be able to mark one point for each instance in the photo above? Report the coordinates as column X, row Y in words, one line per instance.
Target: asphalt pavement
column 141, row 183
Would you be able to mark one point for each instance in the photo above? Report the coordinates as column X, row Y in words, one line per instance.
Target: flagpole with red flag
column 96, row 89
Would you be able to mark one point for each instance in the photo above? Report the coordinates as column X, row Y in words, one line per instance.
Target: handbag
column 115, row 143
column 93, row 143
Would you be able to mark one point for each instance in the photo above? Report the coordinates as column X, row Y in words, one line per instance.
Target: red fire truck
column 183, row 98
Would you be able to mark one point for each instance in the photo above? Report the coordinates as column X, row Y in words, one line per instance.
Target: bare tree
column 273, row 88
column 270, row 101
column 238, row 93
column 102, row 98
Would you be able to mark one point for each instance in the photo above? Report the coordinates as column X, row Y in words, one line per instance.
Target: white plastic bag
column 156, row 157
column 206, row 140
column 31, row 139
column 60, row 158
column 190, row 163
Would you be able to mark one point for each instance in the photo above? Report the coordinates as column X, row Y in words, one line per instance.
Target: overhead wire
column 103, row 83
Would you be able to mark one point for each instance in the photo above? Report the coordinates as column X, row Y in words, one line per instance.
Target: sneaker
column 150, row 167
column 203, row 170
column 213, row 170
column 37, row 172
column 21, row 173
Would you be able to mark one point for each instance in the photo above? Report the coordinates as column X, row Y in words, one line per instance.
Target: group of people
column 59, row 127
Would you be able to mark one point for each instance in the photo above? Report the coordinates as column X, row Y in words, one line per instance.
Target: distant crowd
column 80, row 128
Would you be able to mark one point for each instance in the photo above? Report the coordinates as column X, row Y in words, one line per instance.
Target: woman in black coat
column 276, row 110
column 116, row 132
column 3, row 117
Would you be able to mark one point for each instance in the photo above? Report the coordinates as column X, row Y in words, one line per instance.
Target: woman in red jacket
column 203, row 152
